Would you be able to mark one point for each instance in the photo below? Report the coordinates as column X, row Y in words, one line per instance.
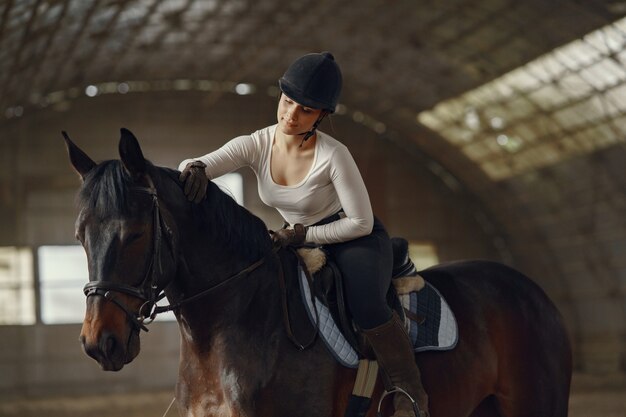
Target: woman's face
column 293, row 118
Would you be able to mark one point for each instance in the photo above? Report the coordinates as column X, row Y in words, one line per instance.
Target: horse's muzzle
column 107, row 350
column 107, row 336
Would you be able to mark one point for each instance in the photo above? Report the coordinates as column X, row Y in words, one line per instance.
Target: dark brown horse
column 142, row 237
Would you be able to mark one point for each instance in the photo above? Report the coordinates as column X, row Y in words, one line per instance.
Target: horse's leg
column 534, row 377
column 487, row 408
column 529, row 391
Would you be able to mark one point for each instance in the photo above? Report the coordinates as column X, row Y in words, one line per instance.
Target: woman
column 314, row 183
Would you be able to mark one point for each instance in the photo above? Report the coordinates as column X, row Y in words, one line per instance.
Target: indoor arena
column 486, row 137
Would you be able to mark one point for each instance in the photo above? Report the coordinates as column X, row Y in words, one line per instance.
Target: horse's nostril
column 109, row 348
column 107, row 345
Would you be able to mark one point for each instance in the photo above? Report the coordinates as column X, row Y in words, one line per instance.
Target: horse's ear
column 131, row 154
column 79, row 159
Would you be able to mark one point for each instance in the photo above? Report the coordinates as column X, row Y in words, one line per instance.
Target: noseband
column 152, row 295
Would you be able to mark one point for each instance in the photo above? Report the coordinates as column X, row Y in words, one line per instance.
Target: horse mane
column 107, row 187
column 222, row 218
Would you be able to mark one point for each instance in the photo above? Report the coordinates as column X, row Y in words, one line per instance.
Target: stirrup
column 396, row 390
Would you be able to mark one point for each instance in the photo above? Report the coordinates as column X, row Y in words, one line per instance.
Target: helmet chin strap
column 311, row 132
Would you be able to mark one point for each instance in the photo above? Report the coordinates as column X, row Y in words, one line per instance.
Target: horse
column 215, row 263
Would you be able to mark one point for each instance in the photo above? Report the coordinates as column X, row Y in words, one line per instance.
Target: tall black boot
column 396, row 358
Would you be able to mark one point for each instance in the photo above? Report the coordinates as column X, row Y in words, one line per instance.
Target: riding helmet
column 313, row 80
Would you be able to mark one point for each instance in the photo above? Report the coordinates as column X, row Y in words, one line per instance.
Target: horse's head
column 129, row 247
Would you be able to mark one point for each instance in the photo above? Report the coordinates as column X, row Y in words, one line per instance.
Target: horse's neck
column 230, row 342
column 205, row 262
column 203, row 256
column 246, row 301
column 236, row 356
column 230, row 335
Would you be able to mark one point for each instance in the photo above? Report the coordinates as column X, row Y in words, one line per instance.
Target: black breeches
column 366, row 264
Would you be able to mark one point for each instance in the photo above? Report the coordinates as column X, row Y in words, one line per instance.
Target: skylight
column 570, row 101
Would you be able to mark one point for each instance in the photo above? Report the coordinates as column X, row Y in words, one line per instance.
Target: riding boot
column 396, row 358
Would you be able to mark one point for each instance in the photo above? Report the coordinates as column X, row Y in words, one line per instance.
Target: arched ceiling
column 400, row 59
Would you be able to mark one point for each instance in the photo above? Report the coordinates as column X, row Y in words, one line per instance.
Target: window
column 17, row 294
column 231, row 184
column 62, row 275
column 423, row 255
column 580, row 85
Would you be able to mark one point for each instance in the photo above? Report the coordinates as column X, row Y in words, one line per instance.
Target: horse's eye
column 132, row 237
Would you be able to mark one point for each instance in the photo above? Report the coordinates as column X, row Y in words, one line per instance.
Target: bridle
column 151, row 294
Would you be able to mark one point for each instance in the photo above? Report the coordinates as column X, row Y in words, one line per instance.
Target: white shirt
column 333, row 183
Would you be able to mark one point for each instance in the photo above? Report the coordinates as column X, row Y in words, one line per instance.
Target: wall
column 570, row 234
column 47, row 360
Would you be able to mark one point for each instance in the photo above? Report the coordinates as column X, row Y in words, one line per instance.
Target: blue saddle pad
column 437, row 332
column 439, row 329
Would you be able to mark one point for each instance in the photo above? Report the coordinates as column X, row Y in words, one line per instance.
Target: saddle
column 326, row 284
column 428, row 319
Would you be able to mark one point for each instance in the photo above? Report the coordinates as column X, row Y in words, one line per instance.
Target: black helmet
column 313, row 80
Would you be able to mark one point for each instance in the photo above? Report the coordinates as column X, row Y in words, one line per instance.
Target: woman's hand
column 290, row 237
column 195, row 180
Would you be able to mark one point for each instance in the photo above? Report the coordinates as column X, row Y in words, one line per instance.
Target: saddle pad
column 437, row 332
column 328, row 329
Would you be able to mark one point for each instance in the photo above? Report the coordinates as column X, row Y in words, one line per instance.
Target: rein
column 249, row 269
column 140, row 320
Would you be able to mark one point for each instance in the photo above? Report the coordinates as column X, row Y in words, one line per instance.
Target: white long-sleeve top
column 332, row 184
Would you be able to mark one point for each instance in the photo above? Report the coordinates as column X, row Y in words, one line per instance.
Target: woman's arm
column 354, row 200
column 236, row 153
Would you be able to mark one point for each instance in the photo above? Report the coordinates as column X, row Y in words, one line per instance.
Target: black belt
column 330, row 219
column 325, row 220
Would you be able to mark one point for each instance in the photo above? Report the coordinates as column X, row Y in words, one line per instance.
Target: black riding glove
column 195, row 180
column 290, row 237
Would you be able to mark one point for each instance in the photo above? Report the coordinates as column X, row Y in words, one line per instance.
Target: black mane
column 223, row 219
column 107, row 187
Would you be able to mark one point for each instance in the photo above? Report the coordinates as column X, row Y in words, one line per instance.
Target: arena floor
column 592, row 396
